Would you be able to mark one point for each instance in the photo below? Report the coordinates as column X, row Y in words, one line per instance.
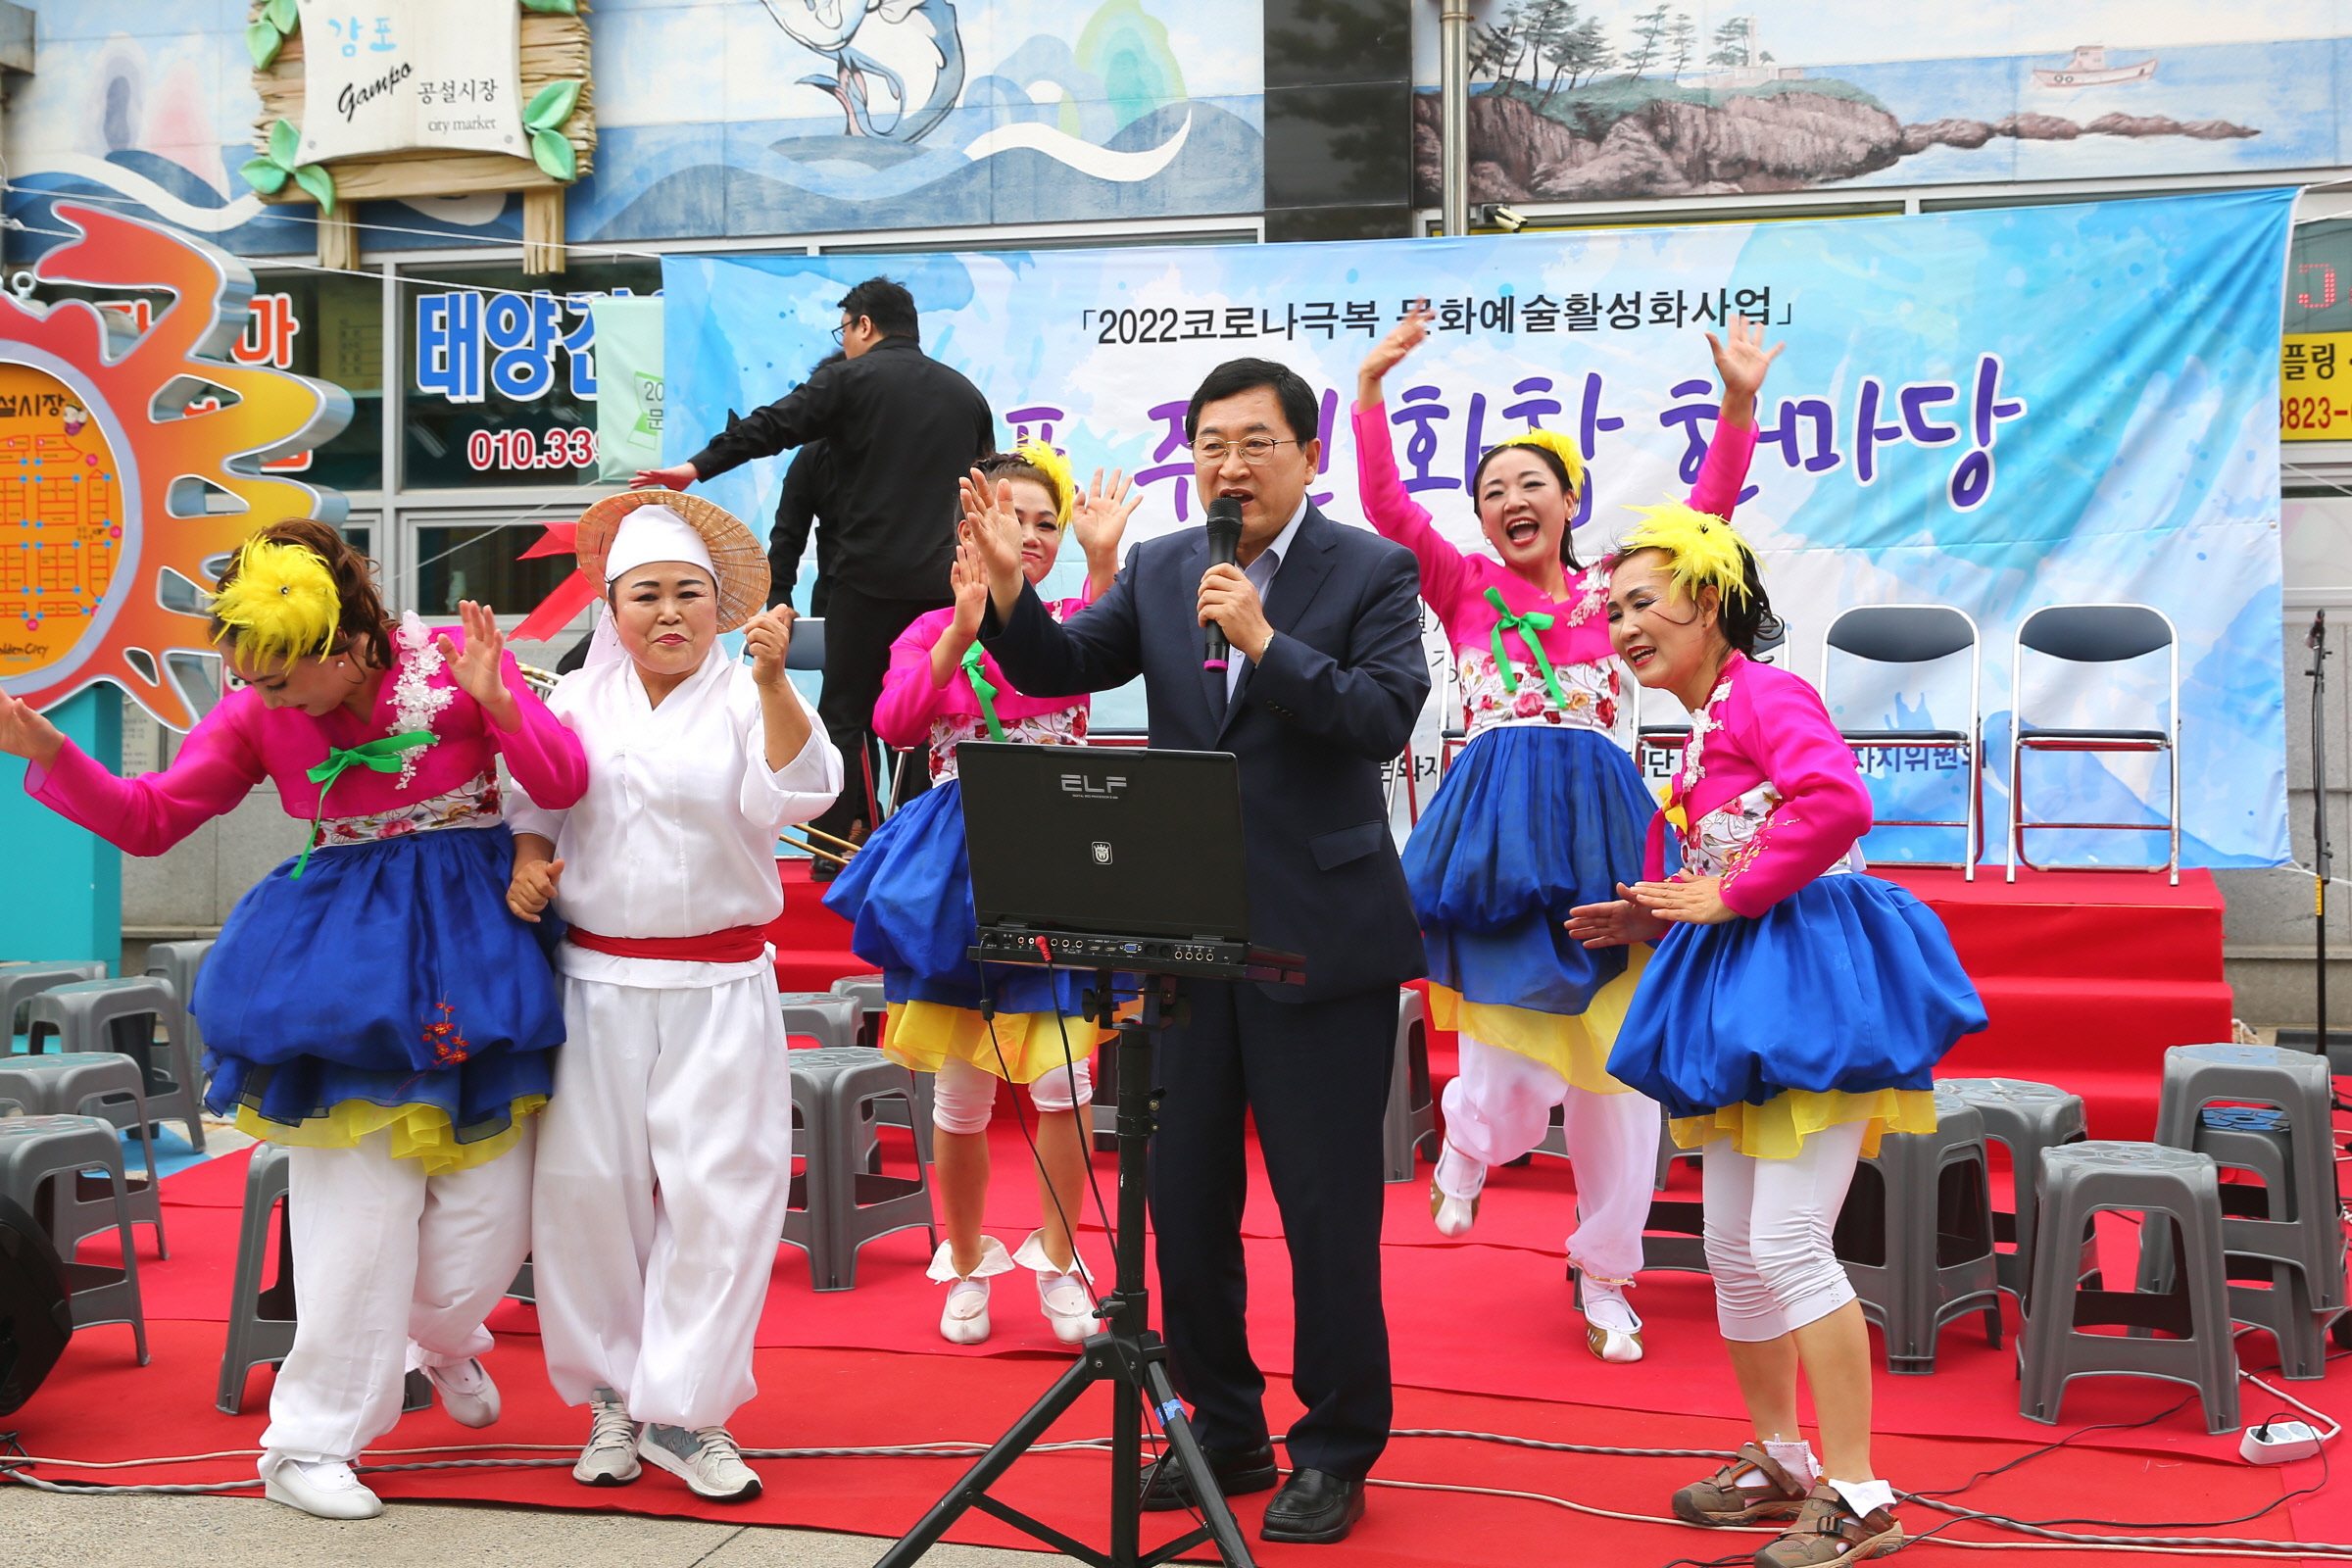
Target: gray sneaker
column 705, row 1458
column 611, row 1457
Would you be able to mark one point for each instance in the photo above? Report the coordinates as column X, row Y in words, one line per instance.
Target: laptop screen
column 1111, row 840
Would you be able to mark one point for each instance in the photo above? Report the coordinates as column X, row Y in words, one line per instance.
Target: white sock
column 1864, row 1495
column 1459, row 1175
column 1797, row 1460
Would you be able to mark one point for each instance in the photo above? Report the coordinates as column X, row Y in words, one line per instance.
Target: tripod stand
column 1126, row 1354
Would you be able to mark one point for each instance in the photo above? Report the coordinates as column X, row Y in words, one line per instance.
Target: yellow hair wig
column 1056, row 470
column 280, row 602
column 1560, row 446
column 1705, row 549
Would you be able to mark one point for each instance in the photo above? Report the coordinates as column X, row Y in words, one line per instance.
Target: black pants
column 858, row 632
column 1315, row 1079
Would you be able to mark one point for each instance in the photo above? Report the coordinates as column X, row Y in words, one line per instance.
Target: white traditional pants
column 663, row 1169
column 1768, row 1233
column 393, row 1270
column 1499, row 1108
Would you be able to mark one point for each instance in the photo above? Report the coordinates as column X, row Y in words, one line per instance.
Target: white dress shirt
column 677, row 836
column 1261, row 573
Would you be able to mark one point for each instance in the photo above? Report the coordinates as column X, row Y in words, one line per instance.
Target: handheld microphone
column 1224, row 542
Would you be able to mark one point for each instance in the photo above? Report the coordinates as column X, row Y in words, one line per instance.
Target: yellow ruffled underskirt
column 1576, row 1046
column 923, row 1035
column 418, row 1132
column 1777, row 1128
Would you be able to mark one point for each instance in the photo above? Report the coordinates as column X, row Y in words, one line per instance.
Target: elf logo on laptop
column 1102, row 853
column 1080, row 784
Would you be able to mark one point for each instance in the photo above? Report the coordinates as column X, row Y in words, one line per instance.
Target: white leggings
column 1500, row 1107
column 1768, row 1225
column 964, row 1097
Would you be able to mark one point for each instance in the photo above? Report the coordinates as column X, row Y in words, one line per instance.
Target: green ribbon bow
column 1527, row 626
column 984, row 689
column 381, row 754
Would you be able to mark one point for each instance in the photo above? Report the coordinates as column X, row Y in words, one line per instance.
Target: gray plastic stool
column 122, row 1015
column 832, row 1020
column 2029, row 1118
column 41, row 1164
column 98, row 1083
column 837, row 1206
column 2077, row 1182
column 867, row 991
column 176, row 964
column 1916, row 1235
column 261, row 1318
column 18, row 981
column 2299, row 1221
column 1410, row 1126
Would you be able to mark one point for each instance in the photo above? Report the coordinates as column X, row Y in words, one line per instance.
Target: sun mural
column 130, row 453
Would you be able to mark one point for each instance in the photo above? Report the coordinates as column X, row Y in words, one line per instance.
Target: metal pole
column 2321, row 851
column 1453, row 130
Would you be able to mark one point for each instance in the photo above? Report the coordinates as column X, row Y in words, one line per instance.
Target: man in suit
column 1325, row 677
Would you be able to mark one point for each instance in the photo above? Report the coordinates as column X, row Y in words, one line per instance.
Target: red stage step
column 2088, row 978
column 812, row 941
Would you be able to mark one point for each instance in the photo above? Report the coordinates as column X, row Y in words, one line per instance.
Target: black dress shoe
column 1314, row 1508
column 1166, row 1487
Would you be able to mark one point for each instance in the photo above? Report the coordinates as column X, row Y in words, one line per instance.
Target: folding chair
column 2095, row 634
column 1917, row 634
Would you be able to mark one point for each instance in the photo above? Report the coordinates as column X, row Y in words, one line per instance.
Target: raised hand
column 476, row 670
column 769, row 636
column 1100, row 520
column 1615, row 923
column 532, row 888
column 994, row 534
column 967, row 581
column 677, row 477
column 1741, row 361
column 1387, row 354
column 26, row 734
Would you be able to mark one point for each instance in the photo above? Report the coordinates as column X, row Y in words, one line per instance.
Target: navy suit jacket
column 1335, row 699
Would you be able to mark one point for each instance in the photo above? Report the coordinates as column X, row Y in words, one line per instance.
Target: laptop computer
column 1110, row 857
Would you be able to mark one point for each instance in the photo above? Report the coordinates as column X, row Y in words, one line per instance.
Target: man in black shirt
column 902, row 428
column 800, row 511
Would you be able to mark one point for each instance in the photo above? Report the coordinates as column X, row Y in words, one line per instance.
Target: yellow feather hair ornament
column 1057, row 468
column 280, row 602
column 1560, row 446
column 1705, row 549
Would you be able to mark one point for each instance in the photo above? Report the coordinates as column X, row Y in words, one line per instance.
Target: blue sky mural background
column 2133, row 452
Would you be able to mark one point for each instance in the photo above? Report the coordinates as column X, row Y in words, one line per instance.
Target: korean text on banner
column 1967, row 414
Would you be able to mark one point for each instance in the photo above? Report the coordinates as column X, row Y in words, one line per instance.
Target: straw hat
column 735, row 552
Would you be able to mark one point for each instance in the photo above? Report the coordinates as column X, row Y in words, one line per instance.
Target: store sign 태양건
column 398, row 75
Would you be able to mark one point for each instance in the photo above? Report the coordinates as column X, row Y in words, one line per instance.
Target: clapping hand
column 1741, row 361
column 1686, row 901
column 1100, row 516
column 994, row 531
column 477, row 670
column 1615, row 923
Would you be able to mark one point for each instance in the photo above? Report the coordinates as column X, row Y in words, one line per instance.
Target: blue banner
column 1996, row 411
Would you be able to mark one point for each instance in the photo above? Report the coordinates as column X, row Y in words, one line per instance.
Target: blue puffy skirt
column 1848, row 984
column 908, row 896
column 391, row 976
column 1530, row 821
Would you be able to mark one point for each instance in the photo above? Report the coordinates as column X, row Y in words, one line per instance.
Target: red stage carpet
column 1484, row 1340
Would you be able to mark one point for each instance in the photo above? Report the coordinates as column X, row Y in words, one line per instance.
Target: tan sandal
column 1720, row 1500
column 1827, row 1531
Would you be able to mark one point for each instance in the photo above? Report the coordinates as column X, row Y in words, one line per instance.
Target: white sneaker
column 1060, row 1296
column 964, row 1319
column 706, row 1460
column 324, row 1489
column 466, row 1392
column 611, row 1457
column 1612, row 1328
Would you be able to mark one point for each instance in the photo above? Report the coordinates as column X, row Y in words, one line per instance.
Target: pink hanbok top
column 1768, row 795
column 1458, row 586
column 243, row 741
column 913, row 712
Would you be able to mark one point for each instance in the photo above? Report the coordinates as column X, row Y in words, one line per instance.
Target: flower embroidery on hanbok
column 415, row 701
column 1065, row 727
column 1587, row 694
column 441, row 1037
column 477, row 802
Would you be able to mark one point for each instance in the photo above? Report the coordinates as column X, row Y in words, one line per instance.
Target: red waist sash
column 737, row 943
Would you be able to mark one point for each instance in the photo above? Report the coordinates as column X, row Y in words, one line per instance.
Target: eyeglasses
column 837, row 332
column 1255, row 451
